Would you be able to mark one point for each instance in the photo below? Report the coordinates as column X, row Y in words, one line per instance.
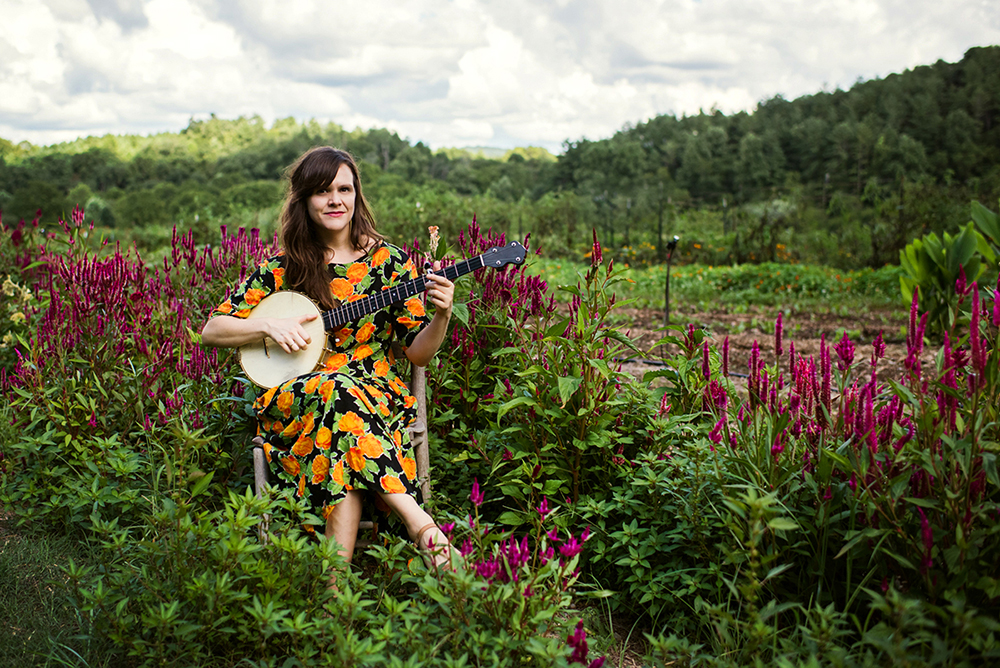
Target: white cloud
column 449, row 73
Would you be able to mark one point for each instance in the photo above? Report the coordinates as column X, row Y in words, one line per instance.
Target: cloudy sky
column 449, row 72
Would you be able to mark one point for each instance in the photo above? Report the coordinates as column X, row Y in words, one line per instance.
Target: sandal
column 435, row 549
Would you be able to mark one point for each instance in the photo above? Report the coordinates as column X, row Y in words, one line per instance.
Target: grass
column 705, row 287
column 34, row 608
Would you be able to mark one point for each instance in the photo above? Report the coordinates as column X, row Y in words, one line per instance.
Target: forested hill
column 845, row 176
column 939, row 121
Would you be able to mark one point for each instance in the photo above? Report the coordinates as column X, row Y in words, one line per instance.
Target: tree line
column 846, row 177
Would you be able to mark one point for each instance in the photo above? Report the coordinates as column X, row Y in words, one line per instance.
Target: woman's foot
column 434, row 546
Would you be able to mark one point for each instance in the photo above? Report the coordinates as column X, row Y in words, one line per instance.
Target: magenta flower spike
column 927, row 537
column 996, row 303
column 595, row 253
column 476, row 496
column 845, row 351
column 706, row 370
column 664, row 405
column 976, row 378
column 878, row 349
column 543, row 507
column 960, row 283
column 777, row 335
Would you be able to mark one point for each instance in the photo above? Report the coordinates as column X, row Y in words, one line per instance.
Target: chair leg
column 418, row 432
column 260, row 482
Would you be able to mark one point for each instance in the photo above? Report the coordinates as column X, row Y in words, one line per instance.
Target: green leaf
column 857, row 538
column 202, row 484
column 514, row 403
column 567, row 386
column 461, row 312
column 511, row 518
column 782, row 524
column 990, row 467
column 987, row 221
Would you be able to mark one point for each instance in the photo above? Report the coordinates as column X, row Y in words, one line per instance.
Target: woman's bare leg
column 406, row 507
column 342, row 523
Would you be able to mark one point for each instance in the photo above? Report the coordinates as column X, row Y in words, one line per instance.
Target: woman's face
column 332, row 207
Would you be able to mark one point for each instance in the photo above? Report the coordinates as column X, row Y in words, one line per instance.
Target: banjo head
column 265, row 362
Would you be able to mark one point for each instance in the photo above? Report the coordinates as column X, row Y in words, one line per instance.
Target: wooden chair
column 418, row 436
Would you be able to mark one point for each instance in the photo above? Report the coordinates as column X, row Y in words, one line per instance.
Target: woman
column 339, row 433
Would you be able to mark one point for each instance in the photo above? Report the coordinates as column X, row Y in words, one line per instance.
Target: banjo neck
column 494, row 257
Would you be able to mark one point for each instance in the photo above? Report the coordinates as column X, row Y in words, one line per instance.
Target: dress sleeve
column 267, row 278
column 408, row 317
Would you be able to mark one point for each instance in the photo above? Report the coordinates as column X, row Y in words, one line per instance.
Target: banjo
column 267, row 364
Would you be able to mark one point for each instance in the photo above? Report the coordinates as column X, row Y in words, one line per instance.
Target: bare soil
column 803, row 329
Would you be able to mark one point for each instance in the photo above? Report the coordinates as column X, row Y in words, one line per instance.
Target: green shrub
column 935, row 265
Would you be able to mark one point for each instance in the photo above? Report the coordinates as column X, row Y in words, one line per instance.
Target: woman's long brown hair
column 306, row 256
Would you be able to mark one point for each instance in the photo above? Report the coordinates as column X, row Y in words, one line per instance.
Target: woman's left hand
column 440, row 292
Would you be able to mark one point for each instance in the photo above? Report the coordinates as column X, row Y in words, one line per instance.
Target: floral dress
column 343, row 427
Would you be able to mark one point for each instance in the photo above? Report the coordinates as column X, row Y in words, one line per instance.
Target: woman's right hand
column 289, row 332
column 229, row 332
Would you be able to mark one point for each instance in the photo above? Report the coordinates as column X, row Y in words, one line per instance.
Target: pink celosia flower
column 777, row 335
column 845, row 351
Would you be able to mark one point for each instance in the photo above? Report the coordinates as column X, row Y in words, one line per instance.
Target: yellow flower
column 17, row 317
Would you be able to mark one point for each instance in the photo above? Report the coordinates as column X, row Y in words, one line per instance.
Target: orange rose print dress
column 344, row 427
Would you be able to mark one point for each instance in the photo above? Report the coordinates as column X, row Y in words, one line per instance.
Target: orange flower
column 409, row 468
column 381, row 368
column 277, row 427
column 415, row 307
column 362, row 352
column 303, row 446
column 285, row 401
column 293, row 429
column 355, row 297
column 365, row 332
column 337, row 475
column 359, row 394
column 392, row 485
column 380, row 256
column 383, row 409
column 409, row 323
column 279, row 277
column 311, row 385
column 371, row 446
column 320, row 467
column 342, row 334
column 291, row 465
column 302, row 487
column 374, row 391
column 323, row 438
column 263, row 425
column 326, row 390
column 224, row 307
column 335, row 362
column 253, row 296
column 409, row 400
column 267, row 451
column 398, row 386
column 341, row 288
column 397, row 438
column 266, row 399
column 356, row 272
column 308, row 423
column 352, row 423
column 355, row 458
